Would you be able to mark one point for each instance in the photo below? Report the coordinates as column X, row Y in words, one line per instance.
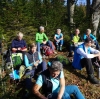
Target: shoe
column 60, row 47
column 96, row 64
column 57, row 47
column 92, row 79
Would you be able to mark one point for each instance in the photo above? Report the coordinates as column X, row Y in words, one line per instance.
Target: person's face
column 20, row 37
column 87, row 32
column 77, row 32
column 58, row 31
column 54, row 74
column 89, row 44
column 33, row 49
column 42, row 30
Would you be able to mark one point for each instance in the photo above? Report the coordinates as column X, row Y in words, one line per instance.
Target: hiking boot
column 93, row 79
column 96, row 64
column 57, row 47
column 60, row 47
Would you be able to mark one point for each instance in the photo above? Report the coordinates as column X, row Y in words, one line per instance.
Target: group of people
column 50, row 75
column 77, row 39
column 85, row 55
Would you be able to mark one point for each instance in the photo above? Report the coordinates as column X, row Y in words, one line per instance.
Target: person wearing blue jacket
column 85, row 56
column 88, row 34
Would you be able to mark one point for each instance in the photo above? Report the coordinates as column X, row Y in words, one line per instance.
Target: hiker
column 84, row 56
column 42, row 39
column 33, row 62
column 75, row 41
column 58, row 37
column 18, row 44
column 52, row 83
column 88, row 34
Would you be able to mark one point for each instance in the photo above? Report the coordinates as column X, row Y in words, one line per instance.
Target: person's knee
column 75, row 87
column 49, row 42
column 66, row 96
column 38, row 43
column 44, row 64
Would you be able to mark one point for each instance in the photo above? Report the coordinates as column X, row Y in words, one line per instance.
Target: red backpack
column 47, row 50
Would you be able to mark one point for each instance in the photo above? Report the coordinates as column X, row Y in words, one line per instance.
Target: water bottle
column 98, row 73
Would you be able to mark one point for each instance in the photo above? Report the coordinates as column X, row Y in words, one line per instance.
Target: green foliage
column 63, row 59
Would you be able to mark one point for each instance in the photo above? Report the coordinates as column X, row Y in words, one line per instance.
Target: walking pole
column 12, row 67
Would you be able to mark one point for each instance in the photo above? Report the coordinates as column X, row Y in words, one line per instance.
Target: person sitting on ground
column 52, row 82
column 58, row 37
column 34, row 65
column 33, row 60
column 84, row 56
column 75, row 41
column 18, row 44
column 42, row 39
column 88, row 34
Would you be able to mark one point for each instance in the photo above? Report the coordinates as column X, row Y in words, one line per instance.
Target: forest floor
column 72, row 76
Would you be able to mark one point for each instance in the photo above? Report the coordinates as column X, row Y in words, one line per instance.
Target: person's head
column 55, row 68
column 33, row 47
column 88, row 31
column 20, row 36
column 88, row 42
column 77, row 31
column 41, row 28
column 58, row 31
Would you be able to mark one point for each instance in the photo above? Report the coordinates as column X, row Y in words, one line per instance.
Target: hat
column 88, row 39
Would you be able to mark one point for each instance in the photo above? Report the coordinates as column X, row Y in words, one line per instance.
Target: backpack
column 17, row 59
column 47, row 50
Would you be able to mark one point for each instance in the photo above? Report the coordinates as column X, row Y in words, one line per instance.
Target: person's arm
column 13, row 46
column 92, row 37
column 86, row 55
column 62, row 85
column 27, row 61
column 61, row 37
column 24, row 49
column 37, row 87
column 55, row 37
column 46, row 38
column 37, row 38
column 62, row 88
column 40, row 57
column 84, row 36
column 37, row 93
